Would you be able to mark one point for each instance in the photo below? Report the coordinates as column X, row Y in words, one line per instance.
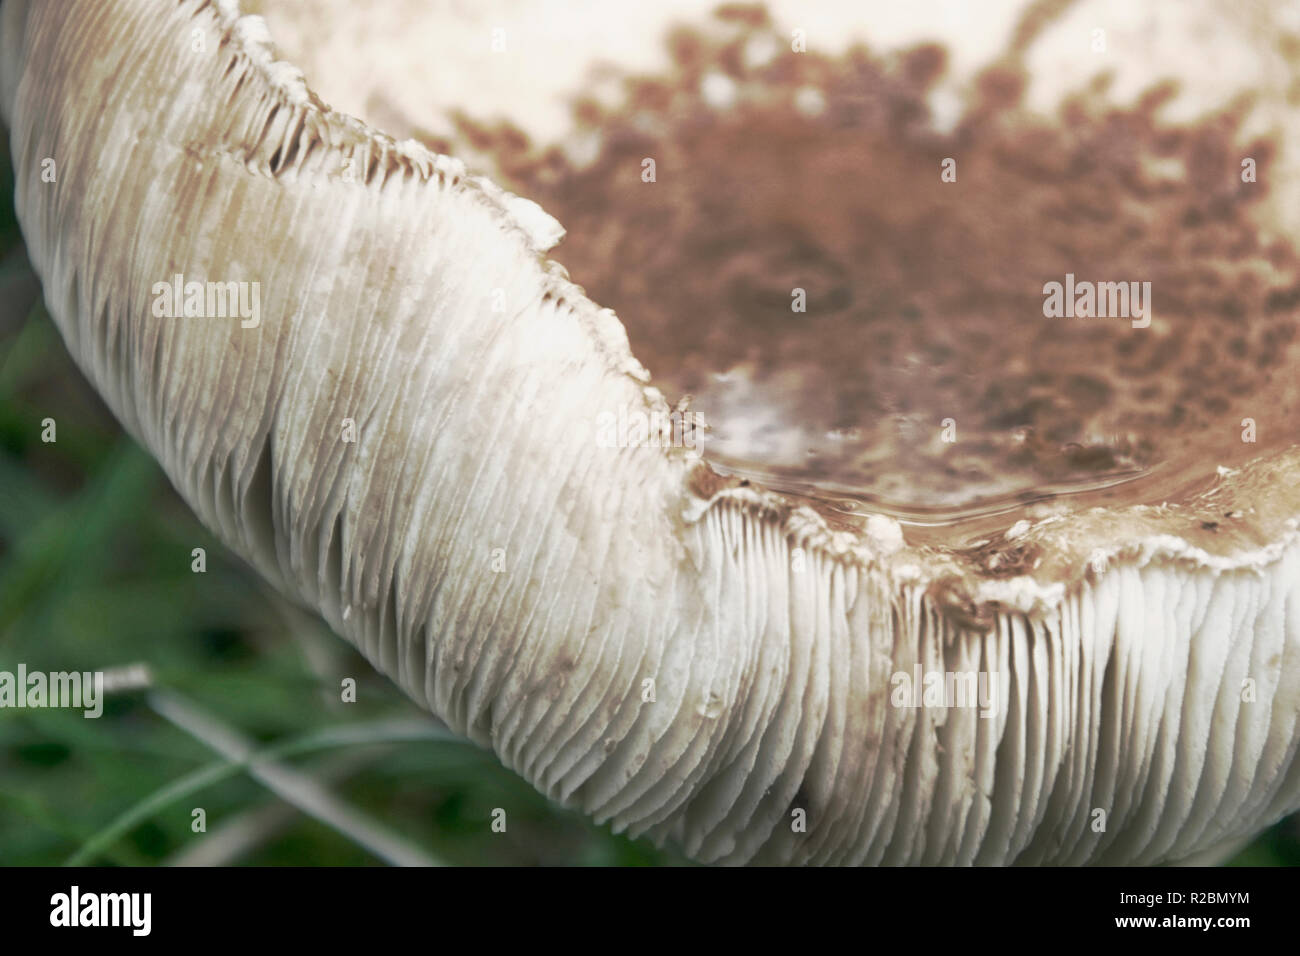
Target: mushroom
column 356, row 364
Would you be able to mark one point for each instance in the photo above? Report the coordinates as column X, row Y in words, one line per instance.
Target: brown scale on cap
column 925, row 298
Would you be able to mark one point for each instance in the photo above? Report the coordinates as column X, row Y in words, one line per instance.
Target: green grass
column 95, row 555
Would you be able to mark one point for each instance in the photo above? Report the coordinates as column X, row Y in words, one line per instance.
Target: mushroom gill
column 397, row 426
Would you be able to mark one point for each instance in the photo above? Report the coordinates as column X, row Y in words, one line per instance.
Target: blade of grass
column 241, row 834
column 347, row 735
column 290, row 785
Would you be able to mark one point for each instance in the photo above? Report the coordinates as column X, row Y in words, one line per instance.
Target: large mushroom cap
column 398, row 426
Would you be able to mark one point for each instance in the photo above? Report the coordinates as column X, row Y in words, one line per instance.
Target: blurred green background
column 95, row 573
